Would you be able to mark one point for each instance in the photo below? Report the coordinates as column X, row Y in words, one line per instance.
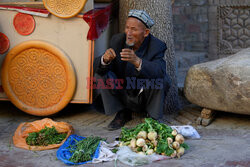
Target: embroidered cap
column 142, row 16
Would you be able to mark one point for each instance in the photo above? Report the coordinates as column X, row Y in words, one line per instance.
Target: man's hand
column 109, row 55
column 130, row 56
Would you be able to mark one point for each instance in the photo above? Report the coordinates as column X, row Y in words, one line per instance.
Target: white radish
column 152, row 135
column 141, row 153
column 173, row 154
column 180, row 151
column 176, row 145
column 140, row 142
column 174, row 132
column 170, row 140
column 142, row 134
column 154, row 142
column 179, row 138
column 133, row 143
column 145, row 148
column 150, row 151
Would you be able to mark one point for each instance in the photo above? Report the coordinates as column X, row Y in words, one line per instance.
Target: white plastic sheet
column 187, row 131
column 128, row 157
column 105, row 152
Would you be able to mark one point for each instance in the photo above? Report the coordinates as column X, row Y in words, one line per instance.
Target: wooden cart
column 67, row 35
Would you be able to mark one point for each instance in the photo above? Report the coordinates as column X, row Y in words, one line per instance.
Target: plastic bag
column 23, row 130
column 64, row 154
column 128, row 157
column 105, row 152
column 187, row 131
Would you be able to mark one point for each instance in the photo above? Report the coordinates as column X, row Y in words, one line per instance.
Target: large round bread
column 38, row 78
column 64, row 8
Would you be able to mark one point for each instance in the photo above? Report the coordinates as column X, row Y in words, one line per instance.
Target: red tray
column 24, row 23
column 4, row 43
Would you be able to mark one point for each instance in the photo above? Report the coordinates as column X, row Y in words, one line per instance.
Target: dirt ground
column 225, row 142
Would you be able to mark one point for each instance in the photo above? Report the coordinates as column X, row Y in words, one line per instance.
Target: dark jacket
column 152, row 54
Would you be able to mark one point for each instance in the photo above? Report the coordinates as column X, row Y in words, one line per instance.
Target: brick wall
column 190, row 20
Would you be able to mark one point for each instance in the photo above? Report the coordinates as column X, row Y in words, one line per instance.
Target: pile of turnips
column 153, row 137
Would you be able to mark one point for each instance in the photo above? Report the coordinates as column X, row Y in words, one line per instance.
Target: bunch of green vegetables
column 153, row 137
column 45, row 137
column 84, row 149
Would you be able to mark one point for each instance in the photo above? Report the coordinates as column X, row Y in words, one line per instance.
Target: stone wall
column 190, row 20
column 229, row 27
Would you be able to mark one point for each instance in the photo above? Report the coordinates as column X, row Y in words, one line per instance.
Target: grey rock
column 222, row 84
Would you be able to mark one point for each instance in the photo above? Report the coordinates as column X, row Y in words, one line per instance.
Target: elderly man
column 134, row 71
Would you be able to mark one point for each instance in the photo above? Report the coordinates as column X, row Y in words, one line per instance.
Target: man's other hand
column 130, row 56
column 109, row 55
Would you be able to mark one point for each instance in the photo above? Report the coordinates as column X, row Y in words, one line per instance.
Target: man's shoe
column 121, row 118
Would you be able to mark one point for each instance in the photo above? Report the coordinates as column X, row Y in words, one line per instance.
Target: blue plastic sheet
column 64, row 154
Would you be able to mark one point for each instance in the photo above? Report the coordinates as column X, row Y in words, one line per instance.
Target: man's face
column 135, row 32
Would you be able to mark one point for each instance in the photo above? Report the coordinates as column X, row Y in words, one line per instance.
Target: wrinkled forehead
column 134, row 22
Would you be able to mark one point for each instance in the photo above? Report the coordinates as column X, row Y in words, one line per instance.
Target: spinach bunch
column 45, row 137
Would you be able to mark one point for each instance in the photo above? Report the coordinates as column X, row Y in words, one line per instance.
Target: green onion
column 84, row 149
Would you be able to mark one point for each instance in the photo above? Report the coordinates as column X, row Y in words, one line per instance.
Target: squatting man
column 135, row 55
